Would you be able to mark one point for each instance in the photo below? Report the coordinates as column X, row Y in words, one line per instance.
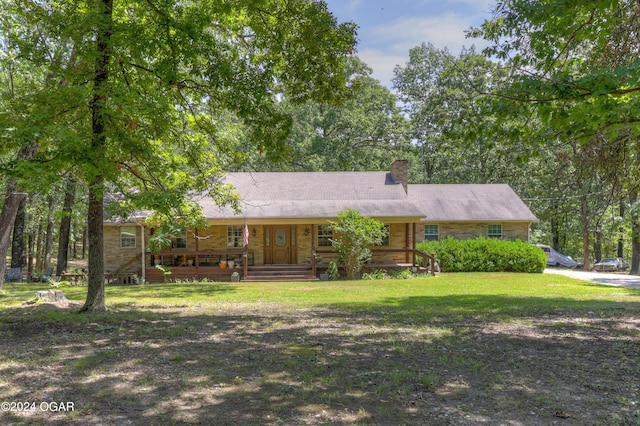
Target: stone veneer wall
column 397, row 240
column 304, row 244
column 463, row 231
column 215, row 238
column 116, row 256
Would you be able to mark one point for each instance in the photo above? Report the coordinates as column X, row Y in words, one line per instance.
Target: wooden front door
column 280, row 245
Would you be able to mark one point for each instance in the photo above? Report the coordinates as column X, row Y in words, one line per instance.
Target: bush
column 353, row 234
column 396, row 274
column 376, row 274
column 485, row 255
column 332, row 271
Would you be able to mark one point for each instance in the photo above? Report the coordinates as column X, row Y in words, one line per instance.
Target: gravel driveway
column 614, row 279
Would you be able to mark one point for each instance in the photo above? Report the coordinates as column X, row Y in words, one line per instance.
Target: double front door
column 280, row 246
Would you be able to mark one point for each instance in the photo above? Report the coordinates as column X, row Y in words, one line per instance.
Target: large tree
column 133, row 90
column 361, row 133
column 578, row 65
column 459, row 135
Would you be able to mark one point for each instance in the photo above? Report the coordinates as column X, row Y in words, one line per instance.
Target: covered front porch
column 235, row 265
column 257, row 252
column 215, row 265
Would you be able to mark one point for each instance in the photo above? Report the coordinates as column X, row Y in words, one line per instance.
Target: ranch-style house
column 285, row 224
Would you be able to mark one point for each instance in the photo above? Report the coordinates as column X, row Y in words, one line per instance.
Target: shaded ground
column 271, row 366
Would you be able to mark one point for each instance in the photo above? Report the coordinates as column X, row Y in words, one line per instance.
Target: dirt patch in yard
column 272, row 365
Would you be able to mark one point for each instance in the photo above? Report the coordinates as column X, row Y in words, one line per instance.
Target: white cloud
column 353, row 4
column 388, row 45
column 446, row 30
column 390, row 28
column 382, row 63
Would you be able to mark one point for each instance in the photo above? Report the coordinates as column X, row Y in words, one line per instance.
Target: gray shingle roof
column 291, row 195
column 322, row 195
column 453, row 203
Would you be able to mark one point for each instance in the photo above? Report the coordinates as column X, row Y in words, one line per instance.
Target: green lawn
column 448, row 294
column 454, row 349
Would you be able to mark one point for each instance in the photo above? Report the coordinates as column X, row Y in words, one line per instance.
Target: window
column 386, row 240
column 179, row 241
column 235, row 236
column 325, row 235
column 494, row 231
column 431, row 233
column 127, row 237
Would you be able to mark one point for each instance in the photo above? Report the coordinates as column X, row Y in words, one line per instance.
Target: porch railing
column 197, row 259
column 427, row 259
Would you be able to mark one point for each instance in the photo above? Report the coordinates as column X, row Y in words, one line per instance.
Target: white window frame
column 235, row 236
column 431, row 234
column 325, row 236
column 180, row 241
column 128, row 237
column 492, row 230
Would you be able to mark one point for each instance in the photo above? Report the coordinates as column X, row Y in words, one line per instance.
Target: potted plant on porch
column 158, row 242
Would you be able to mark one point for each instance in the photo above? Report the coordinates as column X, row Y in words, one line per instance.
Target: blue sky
column 388, row 29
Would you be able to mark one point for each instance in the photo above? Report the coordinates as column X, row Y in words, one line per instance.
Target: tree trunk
column 620, row 241
column 95, row 216
column 48, row 250
column 65, row 227
column 584, row 221
column 84, row 243
column 597, row 246
column 95, row 281
column 635, row 236
column 39, row 247
column 7, row 219
column 30, row 245
column 555, row 234
column 17, row 245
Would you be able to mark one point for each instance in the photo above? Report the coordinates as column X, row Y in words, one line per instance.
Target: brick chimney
column 400, row 172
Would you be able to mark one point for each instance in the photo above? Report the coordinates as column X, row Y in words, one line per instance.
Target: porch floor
column 258, row 273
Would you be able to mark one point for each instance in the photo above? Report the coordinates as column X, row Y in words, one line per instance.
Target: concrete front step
column 280, row 268
column 279, row 273
column 289, row 278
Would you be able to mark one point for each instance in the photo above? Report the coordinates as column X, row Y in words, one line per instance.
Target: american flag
column 245, row 236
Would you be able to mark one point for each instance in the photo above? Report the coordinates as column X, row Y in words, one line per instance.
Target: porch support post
column 407, row 229
column 144, row 254
column 314, row 256
column 413, row 241
column 196, row 259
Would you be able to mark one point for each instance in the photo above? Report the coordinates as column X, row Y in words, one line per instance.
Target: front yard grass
column 455, row 349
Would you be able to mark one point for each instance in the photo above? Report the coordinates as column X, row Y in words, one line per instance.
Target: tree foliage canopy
column 577, row 66
column 128, row 94
column 577, row 61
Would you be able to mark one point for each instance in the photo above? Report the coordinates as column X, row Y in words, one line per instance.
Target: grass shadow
column 415, row 360
column 172, row 354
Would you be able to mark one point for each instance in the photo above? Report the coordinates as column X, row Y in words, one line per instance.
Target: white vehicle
column 557, row 259
column 609, row 264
